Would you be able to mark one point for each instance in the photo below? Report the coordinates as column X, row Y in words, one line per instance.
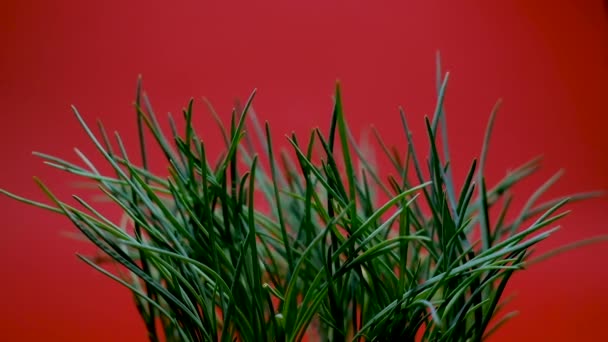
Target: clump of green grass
column 268, row 246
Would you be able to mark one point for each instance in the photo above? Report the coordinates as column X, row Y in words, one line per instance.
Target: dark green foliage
column 206, row 263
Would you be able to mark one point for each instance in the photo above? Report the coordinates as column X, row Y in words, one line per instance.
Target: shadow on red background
column 547, row 60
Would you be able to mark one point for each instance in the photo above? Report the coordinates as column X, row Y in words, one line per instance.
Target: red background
column 548, row 60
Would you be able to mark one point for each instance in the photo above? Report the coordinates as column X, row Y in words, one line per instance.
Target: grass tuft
column 328, row 260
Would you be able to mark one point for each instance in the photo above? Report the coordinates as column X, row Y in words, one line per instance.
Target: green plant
column 321, row 245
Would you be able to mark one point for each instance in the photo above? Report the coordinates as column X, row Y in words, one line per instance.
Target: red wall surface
column 548, row 60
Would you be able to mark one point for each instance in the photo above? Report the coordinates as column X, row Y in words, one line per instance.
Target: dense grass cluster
column 267, row 246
